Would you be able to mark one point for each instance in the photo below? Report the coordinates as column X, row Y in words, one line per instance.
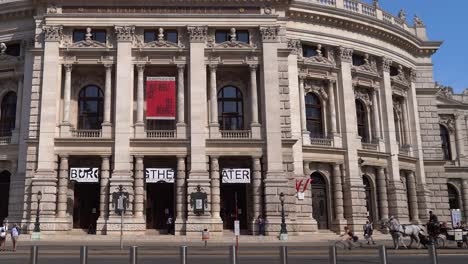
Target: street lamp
column 283, row 231
column 37, row 225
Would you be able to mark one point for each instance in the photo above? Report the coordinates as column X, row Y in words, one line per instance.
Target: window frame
column 8, row 113
column 227, row 33
column 94, row 34
column 362, row 127
column 224, row 117
column 155, row 32
column 446, row 144
column 318, row 132
column 84, row 118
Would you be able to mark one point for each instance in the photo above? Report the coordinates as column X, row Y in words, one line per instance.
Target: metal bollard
column 284, row 255
column 433, row 254
column 83, row 255
column 232, row 255
column 133, row 255
column 34, row 254
column 383, row 254
column 332, row 254
column 183, row 254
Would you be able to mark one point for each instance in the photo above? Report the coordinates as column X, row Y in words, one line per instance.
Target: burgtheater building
column 208, row 110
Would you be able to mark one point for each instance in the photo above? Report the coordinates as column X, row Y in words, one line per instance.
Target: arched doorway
column 4, row 194
column 369, row 199
column 454, row 198
column 319, row 200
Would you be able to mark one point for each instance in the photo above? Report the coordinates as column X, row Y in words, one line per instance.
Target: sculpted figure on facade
column 401, row 76
column 402, row 15
column 369, row 66
column 315, row 86
column 345, row 54
column 3, row 48
column 418, row 21
column 363, row 95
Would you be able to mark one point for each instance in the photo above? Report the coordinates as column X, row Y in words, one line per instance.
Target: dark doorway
column 229, row 193
column 4, row 194
column 85, row 205
column 369, row 199
column 319, row 200
column 453, row 197
column 159, row 204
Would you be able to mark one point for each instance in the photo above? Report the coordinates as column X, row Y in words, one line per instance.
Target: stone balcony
column 236, row 134
column 161, row 134
column 325, row 142
column 86, row 133
column 370, row 146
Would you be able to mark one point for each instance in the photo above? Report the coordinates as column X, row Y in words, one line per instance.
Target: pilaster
column 181, row 197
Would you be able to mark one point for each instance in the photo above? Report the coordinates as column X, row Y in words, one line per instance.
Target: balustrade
column 160, row 133
column 321, row 142
column 327, row 2
column 370, row 146
column 351, row 5
column 86, row 133
column 368, row 10
column 236, row 134
column 5, row 140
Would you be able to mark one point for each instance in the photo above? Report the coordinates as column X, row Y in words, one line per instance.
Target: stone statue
column 418, row 21
column 3, row 48
column 402, row 15
column 160, row 34
column 89, row 35
column 375, row 3
column 232, row 34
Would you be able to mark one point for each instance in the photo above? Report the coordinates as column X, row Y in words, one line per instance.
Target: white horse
column 399, row 231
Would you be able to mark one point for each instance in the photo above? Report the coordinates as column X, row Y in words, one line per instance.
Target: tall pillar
column 396, row 192
column 181, row 194
column 406, row 126
column 412, row 197
column 339, row 222
column 139, row 186
column 214, row 123
column 140, row 125
column 356, row 211
column 104, row 183
column 19, row 105
column 256, row 193
column 305, row 133
column 107, row 125
column 62, row 187
column 465, row 198
column 331, row 95
column 376, row 115
column 254, row 125
column 215, row 191
column 181, row 126
column 65, row 125
column 382, row 191
column 459, row 137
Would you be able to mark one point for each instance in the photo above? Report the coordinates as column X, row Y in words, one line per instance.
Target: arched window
column 361, row 115
column 90, row 108
column 453, row 197
column 230, row 109
column 319, row 200
column 445, row 138
column 8, row 114
column 314, row 115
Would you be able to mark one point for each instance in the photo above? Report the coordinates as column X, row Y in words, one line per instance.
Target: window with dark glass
column 311, row 51
column 314, row 115
column 358, row 60
column 90, row 108
column 224, row 35
column 393, row 71
column 453, row 197
column 13, row 49
column 169, row 35
column 98, row 35
column 8, row 114
column 361, row 116
column 230, row 108
column 445, row 138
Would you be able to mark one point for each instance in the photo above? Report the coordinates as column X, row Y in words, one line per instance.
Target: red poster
column 160, row 98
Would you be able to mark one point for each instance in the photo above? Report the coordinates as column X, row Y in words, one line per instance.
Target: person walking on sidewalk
column 261, row 225
column 15, row 233
column 3, row 235
column 368, row 231
column 169, row 223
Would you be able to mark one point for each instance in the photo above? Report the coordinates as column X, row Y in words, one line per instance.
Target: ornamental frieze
column 197, row 33
column 161, row 10
column 269, row 33
column 52, row 33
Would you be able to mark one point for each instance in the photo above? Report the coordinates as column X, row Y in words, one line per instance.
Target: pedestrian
column 169, row 223
column 261, row 225
column 15, row 233
column 348, row 237
column 368, row 231
column 3, row 235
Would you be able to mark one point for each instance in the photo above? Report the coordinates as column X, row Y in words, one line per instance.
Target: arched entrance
column 4, row 194
column 319, row 200
column 369, row 199
column 454, row 198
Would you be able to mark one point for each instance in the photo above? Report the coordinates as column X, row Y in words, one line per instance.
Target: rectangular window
column 224, row 35
column 79, row 35
column 13, row 49
column 309, row 51
column 169, row 36
column 221, row 36
column 149, row 36
column 358, row 60
column 98, row 35
column 243, row 36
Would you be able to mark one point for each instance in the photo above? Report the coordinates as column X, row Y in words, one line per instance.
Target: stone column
column 465, row 198
column 331, row 95
column 181, row 126
column 140, row 125
column 107, row 125
column 254, row 125
column 376, row 115
column 382, row 191
column 104, row 195
column 412, row 197
column 15, row 133
column 459, row 137
column 406, row 125
column 181, row 201
column 256, row 192
column 214, row 123
column 139, row 186
column 305, row 133
column 339, row 221
column 62, row 187
column 215, row 191
column 65, row 126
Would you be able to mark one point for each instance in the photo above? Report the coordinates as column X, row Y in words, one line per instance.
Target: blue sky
column 447, row 21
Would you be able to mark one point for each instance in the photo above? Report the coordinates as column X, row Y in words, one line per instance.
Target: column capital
column 269, row 33
column 52, row 33
column 140, row 67
column 181, row 67
column 197, row 33
column 345, row 54
column 108, row 66
column 124, row 33
column 213, row 67
column 253, row 67
column 68, row 67
column 296, row 46
column 386, row 64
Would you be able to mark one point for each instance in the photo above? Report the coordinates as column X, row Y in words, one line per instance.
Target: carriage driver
column 433, row 223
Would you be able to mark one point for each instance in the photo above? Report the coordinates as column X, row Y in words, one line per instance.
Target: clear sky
column 447, row 21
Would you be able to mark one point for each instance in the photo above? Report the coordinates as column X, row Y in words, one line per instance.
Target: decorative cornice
column 197, row 33
column 124, row 33
column 52, row 33
column 269, row 33
column 345, row 54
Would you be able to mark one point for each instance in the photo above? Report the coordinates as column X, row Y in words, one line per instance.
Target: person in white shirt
column 3, row 235
column 15, row 232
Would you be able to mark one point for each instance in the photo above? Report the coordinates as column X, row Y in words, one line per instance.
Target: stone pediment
column 86, row 44
column 369, row 67
column 232, row 44
column 320, row 60
column 162, row 44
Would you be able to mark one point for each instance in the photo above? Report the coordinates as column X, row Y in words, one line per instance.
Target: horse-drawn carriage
column 439, row 233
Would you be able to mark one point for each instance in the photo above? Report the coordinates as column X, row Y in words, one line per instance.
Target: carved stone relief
column 197, row 33
column 316, row 86
column 369, row 66
column 269, row 34
column 448, row 121
column 401, row 76
column 363, row 95
column 231, row 43
column 345, row 54
column 124, row 33
column 52, row 33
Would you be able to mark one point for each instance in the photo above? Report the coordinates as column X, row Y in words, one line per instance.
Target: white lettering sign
column 154, row 175
column 90, row 175
column 235, row 175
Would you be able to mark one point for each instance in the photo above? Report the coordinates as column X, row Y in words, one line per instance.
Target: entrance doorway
column 85, row 205
column 319, row 200
column 369, row 199
column 4, row 194
column 232, row 194
column 159, row 204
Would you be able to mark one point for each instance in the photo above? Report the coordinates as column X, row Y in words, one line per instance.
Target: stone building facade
column 331, row 103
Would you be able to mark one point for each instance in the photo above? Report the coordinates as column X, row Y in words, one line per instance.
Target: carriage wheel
column 439, row 242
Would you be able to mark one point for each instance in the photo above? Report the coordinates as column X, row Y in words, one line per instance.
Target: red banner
column 160, row 98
